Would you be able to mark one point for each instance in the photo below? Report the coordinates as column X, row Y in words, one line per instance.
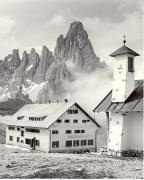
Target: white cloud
column 57, row 20
column 6, row 25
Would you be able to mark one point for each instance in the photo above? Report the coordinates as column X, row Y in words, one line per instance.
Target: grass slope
column 18, row 164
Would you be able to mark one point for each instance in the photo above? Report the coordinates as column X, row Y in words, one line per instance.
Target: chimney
column 49, row 101
column 66, row 100
column 57, row 101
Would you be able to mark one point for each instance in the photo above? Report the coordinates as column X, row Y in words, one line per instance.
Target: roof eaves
column 87, row 114
column 102, row 101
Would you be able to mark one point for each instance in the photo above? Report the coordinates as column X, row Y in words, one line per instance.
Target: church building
column 53, row 127
column 123, row 106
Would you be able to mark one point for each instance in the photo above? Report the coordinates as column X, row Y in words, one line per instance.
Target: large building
column 124, row 107
column 54, row 127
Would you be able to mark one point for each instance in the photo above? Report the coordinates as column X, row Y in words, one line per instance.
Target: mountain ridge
column 45, row 74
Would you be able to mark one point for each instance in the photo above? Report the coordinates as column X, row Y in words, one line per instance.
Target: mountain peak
column 32, row 51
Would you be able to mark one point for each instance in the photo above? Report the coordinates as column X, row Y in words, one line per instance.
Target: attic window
column 130, row 64
column 20, row 117
column 37, row 118
column 74, row 111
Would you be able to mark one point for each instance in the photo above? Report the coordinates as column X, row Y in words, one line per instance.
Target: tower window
column 130, row 64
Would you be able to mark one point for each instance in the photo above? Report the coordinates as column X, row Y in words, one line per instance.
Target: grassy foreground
column 17, row 164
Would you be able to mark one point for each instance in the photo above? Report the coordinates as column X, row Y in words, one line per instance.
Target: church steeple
column 124, row 80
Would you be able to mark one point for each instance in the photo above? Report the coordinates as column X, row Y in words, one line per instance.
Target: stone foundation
column 123, row 153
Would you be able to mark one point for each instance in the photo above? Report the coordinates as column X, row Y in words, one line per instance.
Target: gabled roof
column 133, row 103
column 52, row 111
column 123, row 50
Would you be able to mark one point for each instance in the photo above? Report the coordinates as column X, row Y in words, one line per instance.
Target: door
column 22, row 133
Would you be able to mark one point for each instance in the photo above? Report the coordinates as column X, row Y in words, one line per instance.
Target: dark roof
column 123, row 50
column 133, row 103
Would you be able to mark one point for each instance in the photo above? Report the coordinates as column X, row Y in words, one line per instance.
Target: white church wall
column 123, row 81
column 133, row 127
column 115, row 131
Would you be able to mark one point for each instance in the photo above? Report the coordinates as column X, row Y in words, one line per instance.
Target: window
column 88, row 120
column 11, row 138
column 55, row 132
column 28, row 141
column 22, row 133
column 74, row 111
column 75, row 121
column 76, row 131
column 20, row 117
column 37, row 143
column 130, row 64
column 67, row 120
column 11, row 128
column 83, row 142
column 22, row 141
column 18, row 139
column 32, row 130
column 68, row 131
column 37, row 118
column 55, row 144
column 68, row 143
column 76, row 143
column 69, row 111
column 84, row 121
column 18, row 129
column 59, row 121
column 90, row 142
column 82, row 131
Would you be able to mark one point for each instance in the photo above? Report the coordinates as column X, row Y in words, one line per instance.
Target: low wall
column 123, row 153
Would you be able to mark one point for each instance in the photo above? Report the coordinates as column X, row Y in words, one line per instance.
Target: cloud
column 89, row 89
column 6, row 25
column 57, row 20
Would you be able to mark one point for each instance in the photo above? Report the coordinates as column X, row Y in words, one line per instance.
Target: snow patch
column 31, row 66
column 17, row 147
column 9, row 59
column 28, row 81
column 33, row 90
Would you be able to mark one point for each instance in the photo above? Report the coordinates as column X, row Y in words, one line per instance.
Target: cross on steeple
column 124, row 41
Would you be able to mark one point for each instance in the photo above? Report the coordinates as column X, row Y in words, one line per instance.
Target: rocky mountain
column 76, row 49
column 43, row 77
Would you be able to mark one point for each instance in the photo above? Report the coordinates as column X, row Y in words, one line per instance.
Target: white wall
column 123, row 81
column 89, row 127
column 126, row 132
column 115, row 131
column 46, row 137
column 133, row 128
column 42, row 136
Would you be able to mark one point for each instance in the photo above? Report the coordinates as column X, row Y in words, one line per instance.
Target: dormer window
column 20, row 117
column 37, row 118
column 130, row 64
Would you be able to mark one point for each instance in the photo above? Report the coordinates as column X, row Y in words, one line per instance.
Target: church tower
column 124, row 76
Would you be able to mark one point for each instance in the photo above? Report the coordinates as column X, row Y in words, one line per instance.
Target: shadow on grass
column 74, row 174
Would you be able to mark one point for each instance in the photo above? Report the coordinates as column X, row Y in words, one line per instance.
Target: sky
column 33, row 23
